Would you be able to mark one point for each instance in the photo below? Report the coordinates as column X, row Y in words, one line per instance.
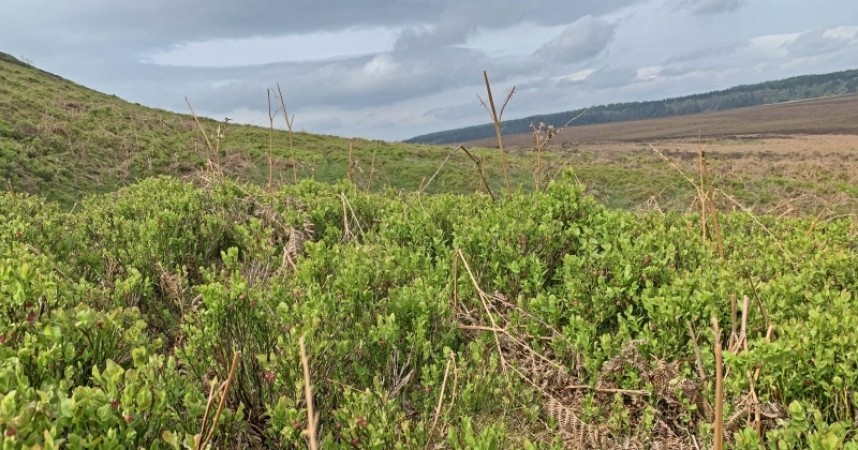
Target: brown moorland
column 827, row 115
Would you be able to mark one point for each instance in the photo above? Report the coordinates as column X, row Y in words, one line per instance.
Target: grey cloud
column 581, row 40
column 460, row 111
column 167, row 22
column 354, row 83
column 703, row 7
column 610, row 77
column 818, row 43
column 460, row 19
column 605, row 77
column 711, row 52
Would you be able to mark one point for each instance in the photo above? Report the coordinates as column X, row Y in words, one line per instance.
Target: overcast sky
column 392, row 69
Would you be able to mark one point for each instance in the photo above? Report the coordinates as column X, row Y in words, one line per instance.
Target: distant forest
column 795, row 88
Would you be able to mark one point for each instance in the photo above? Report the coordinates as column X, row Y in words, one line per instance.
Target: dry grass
column 803, row 175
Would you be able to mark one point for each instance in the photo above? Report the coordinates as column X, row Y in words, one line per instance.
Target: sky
column 393, row 69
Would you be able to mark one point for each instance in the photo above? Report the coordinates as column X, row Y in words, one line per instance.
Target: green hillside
column 63, row 140
column 769, row 92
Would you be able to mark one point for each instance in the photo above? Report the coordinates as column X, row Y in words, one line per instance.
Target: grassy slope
column 64, row 140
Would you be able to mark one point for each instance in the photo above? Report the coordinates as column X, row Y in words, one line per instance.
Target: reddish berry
column 355, row 442
column 129, row 418
column 31, row 317
column 115, row 403
column 362, row 422
column 11, row 432
column 270, row 376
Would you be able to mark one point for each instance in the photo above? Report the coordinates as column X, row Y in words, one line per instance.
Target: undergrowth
column 540, row 320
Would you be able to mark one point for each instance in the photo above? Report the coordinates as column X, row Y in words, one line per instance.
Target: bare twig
column 371, row 171
column 208, row 410
column 270, row 142
column 223, row 395
column 199, row 125
column 733, row 321
column 718, row 443
column 289, row 122
column 308, row 395
column 351, row 162
column 743, row 330
column 482, row 295
column 698, row 359
column 480, row 171
column 450, row 361
column 424, row 186
column 586, row 387
column 759, row 301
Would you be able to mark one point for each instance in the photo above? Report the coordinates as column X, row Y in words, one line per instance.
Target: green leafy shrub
column 118, row 317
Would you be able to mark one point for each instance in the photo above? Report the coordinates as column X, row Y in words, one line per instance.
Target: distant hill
column 769, row 92
column 833, row 115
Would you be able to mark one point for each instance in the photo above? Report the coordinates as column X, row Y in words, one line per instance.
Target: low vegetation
column 535, row 321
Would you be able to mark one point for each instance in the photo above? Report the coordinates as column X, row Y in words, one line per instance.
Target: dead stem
column 718, row 426
column 480, row 171
column 371, row 171
column 224, row 391
column 496, row 121
column 270, row 142
column 698, row 359
column 310, row 432
column 289, row 122
column 450, row 361
column 482, row 296
column 424, row 186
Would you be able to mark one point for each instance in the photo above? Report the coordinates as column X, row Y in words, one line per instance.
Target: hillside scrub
column 542, row 320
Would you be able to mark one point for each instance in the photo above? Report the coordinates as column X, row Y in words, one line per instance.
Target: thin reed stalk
column 351, row 162
column 496, row 121
column 270, row 143
column 289, row 122
column 371, row 171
